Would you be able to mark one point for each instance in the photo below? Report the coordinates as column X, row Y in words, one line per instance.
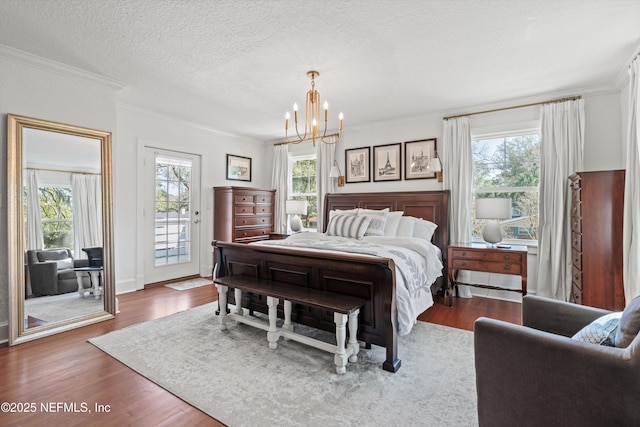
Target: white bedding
column 418, row 264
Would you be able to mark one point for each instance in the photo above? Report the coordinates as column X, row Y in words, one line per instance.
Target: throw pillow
column 351, row 226
column 334, row 212
column 64, row 264
column 629, row 323
column 378, row 219
column 601, row 331
column 393, row 220
column 424, row 229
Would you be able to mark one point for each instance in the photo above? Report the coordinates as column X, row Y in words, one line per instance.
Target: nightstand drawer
column 483, row 255
column 576, row 295
column 489, row 267
column 576, row 224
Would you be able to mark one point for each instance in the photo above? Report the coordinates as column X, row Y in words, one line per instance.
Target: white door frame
column 140, row 220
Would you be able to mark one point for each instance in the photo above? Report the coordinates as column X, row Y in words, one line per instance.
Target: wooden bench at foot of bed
column 369, row 278
column 343, row 307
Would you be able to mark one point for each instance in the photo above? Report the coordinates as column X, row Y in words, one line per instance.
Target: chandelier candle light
column 312, row 118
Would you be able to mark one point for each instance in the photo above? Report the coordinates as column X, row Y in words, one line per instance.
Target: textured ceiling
column 238, row 65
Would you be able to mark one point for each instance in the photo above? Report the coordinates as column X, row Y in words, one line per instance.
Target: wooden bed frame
column 371, row 278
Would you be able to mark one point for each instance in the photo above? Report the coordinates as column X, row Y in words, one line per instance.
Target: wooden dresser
column 242, row 214
column 597, row 205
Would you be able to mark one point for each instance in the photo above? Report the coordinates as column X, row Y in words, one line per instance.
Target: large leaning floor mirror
column 60, row 227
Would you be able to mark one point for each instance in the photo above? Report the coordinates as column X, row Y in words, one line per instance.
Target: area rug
column 55, row 308
column 234, row 377
column 189, row 284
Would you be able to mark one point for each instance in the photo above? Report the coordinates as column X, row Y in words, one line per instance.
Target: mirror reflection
column 60, row 227
column 63, row 226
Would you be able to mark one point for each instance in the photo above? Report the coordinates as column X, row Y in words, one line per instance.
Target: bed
column 370, row 267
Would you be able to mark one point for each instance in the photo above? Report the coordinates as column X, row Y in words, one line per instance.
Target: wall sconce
column 436, row 166
column 335, row 173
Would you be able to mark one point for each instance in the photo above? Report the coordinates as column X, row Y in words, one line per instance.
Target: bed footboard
column 369, row 278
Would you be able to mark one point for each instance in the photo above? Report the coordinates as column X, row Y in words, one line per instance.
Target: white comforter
column 417, row 263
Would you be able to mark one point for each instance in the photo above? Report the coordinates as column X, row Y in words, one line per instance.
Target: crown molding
column 183, row 122
column 59, row 68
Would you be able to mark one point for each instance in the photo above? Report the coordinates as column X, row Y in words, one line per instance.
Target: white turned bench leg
column 272, row 334
column 222, row 305
column 340, row 358
column 238, row 296
column 287, row 325
column 354, row 346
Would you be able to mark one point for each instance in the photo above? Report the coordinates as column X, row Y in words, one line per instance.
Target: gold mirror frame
column 15, row 219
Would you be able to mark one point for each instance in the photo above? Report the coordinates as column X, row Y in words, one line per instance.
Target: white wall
column 604, row 147
column 137, row 128
column 30, row 86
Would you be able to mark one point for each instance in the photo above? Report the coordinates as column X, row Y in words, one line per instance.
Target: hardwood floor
column 65, row 369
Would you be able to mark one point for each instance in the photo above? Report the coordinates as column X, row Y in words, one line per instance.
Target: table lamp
column 295, row 208
column 492, row 209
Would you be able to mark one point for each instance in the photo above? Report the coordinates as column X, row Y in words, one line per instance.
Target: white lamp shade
column 335, row 172
column 434, row 165
column 493, row 208
column 296, row 207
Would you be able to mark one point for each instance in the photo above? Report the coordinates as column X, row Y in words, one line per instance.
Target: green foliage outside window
column 303, row 187
column 57, row 217
column 509, row 167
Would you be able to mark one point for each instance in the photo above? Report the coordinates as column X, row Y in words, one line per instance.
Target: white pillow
column 393, row 220
column 378, row 219
column 405, row 226
column 350, row 226
column 424, row 229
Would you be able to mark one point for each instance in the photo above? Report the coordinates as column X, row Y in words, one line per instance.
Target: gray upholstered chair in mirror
column 51, row 271
column 568, row 365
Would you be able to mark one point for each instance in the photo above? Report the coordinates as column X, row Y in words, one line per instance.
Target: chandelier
column 312, row 118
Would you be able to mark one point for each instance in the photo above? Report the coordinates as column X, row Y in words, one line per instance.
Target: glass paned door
column 172, row 215
column 173, row 211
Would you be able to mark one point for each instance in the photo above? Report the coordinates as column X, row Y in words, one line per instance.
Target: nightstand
column 479, row 257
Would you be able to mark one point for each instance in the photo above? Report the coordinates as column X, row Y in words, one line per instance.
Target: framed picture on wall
column 238, row 168
column 356, row 162
column 387, row 164
column 417, row 158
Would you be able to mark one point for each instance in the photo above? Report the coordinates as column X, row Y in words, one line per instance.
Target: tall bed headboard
column 429, row 205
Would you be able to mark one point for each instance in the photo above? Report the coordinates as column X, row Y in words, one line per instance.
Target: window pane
column 303, row 186
column 509, row 167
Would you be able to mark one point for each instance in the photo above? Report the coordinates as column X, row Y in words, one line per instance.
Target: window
column 509, row 166
column 173, row 211
column 303, row 186
column 56, row 213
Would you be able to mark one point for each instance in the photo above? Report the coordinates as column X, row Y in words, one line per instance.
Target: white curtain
column 560, row 155
column 34, row 220
column 325, row 154
column 631, row 224
column 279, row 181
column 457, row 176
column 87, row 212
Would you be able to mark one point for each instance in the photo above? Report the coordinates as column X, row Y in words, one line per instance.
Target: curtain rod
column 64, row 171
column 570, row 98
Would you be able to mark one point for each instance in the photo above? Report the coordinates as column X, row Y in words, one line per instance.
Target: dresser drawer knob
column 464, row 264
column 506, row 257
column 576, row 276
column 507, row 267
column 464, row 254
column 574, row 210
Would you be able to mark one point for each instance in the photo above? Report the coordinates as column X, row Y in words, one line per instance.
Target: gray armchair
column 51, row 271
column 536, row 375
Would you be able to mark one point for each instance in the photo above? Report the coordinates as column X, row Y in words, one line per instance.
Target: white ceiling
column 238, row 65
